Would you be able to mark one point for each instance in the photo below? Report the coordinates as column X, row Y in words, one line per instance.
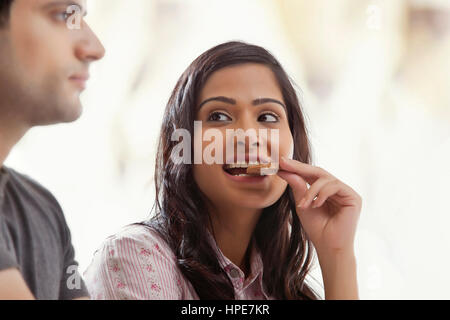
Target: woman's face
column 249, row 97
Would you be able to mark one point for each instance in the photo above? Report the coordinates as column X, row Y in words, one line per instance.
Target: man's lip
column 80, row 77
column 80, row 80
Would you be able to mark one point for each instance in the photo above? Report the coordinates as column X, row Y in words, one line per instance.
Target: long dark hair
column 5, row 8
column 181, row 216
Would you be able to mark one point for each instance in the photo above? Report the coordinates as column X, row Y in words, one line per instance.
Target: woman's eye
column 268, row 117
column 218, row 116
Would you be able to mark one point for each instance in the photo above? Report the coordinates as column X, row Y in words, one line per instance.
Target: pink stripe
column 103, row 266
column 171, row 272
column 141, row 274
column 134, row 265
column 166, row 279
column 169, row 269
column 125, row 263
column 160, row 272
column 132, row 271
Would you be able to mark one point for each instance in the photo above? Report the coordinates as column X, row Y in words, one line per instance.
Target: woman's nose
column 252, row 137
column 249, row 142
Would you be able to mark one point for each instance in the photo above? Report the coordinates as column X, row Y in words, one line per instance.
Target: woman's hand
column 330, row 220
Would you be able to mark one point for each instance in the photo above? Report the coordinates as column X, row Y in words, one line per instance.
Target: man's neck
column 10, row 134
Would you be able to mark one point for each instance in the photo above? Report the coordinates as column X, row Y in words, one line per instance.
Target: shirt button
column 234, row 273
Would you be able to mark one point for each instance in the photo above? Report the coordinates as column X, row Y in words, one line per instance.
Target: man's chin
column 71, row 112
column 68, row 114
column 72, row 117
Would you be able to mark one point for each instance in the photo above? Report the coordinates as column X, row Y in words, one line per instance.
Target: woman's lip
column 246, row 179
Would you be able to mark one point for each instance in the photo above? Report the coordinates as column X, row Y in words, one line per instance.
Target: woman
column 218, row 235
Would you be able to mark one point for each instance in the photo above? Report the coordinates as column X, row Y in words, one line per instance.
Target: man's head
column 44, row 63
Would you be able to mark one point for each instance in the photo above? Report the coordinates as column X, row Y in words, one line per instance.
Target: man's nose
column 89, row 48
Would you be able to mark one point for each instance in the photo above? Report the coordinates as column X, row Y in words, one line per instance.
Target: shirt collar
column 256, row 263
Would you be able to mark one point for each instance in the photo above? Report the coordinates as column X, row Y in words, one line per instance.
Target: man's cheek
column 27, row 41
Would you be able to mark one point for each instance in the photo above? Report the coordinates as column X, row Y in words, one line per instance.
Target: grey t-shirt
column 35, row 238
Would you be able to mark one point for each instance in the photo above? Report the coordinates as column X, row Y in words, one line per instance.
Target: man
column 44, row 62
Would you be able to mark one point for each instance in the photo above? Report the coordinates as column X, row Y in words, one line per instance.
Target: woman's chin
column 251, row 199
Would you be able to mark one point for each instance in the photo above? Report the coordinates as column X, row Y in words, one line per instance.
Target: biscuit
column 264, row 169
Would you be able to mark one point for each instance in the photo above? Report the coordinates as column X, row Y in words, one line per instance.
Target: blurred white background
column 374, row 80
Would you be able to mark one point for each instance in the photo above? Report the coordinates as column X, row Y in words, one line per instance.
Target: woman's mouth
column 250, row 169
column 239, row 170
column 245, row 172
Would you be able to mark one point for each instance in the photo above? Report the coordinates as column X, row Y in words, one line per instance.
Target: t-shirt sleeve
column 72, row 284
column 131, row 267
column 7, row 258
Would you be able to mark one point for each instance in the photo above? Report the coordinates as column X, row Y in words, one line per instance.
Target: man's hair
column 5, row 6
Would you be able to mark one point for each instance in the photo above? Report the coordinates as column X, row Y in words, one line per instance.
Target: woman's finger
column 332, row 188
column 297, row 183
column 306, row 171
column 313, row 192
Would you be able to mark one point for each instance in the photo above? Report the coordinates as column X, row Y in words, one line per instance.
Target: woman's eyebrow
column 255, row 102
column 260, row 101
column 221, row 99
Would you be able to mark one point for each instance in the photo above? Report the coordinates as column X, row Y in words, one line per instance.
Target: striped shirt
column 138, row 264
